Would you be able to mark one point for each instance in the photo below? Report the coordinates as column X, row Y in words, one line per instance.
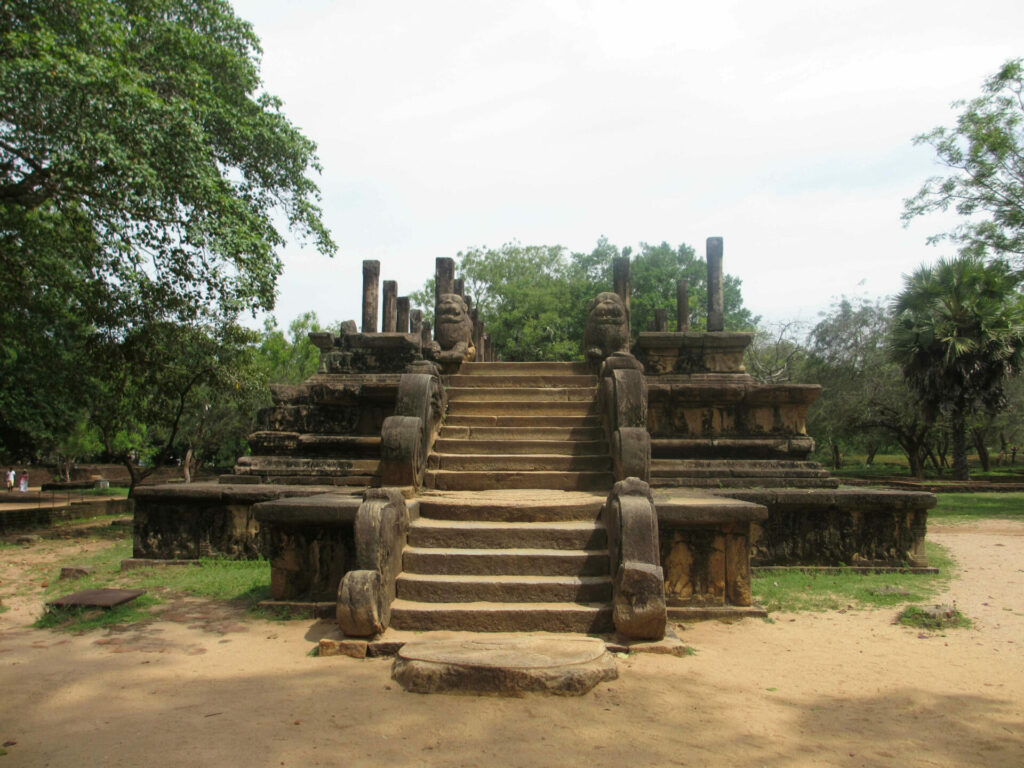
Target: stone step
column 505, row 447
column 740, row 463
column 534, row 562
column 526, row 369
column 504, row 588
column 502, row 617
column 499, row 381
column 520, row 422
column 668, row 468
column 519, row 408
column 513, row 506
column 293, row 465
column 529, row 462
column 459, row 480
column 514, row 434
column 466, row 534
column 743, row 482
column 520, row 394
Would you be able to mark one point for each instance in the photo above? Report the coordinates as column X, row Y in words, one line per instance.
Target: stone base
column 504, row 665
column 688, row 613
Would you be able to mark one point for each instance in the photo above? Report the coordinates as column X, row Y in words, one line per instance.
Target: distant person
column 23, row 482
column 9, row 479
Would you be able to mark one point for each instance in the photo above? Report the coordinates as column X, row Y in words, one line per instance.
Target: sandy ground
column 209, row 686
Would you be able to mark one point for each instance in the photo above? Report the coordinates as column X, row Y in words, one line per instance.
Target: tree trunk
column 978, row 435
column 960, row 470
column 870, row 459
column 186, row 465
column 837, row 459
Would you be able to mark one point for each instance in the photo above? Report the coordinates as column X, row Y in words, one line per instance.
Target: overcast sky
column 784, row 127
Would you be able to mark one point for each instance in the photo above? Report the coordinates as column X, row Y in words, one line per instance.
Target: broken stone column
column 390, row 314
column 683, row 305
column 716, row 294
column 661, row 320
column 371, row 276
column 444, row 279
column 459, row 285
column 621, row 285
column 402, row 324
column 425, row 334
column 416, row 322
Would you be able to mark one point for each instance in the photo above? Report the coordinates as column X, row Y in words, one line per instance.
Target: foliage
column 796, row 589
column 985, row 152
column 533, row 299
column 293, row 358
column 143, row 174
column 865, row 402
column 958, row 335
column 777, row 354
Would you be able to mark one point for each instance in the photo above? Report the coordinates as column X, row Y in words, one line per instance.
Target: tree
column 958, row 335
column 865, row 401
column 985, row 151
column 142, row 175
column 293, row 358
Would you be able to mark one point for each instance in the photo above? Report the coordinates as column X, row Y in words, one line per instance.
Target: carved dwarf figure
column 607, row 328
column 454, row 343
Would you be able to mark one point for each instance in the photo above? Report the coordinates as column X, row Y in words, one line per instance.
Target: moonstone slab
column 504, row 665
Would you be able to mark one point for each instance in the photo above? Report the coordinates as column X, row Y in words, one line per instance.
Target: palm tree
column 958, row 334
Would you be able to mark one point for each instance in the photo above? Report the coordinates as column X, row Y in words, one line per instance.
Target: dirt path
column 206, row 686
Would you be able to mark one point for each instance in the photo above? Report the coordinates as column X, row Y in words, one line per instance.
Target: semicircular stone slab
column 504, row 665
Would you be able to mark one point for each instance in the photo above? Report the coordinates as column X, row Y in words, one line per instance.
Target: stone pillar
column 716, row 295
column 661, row 320
column 416, row 322
column 444, row 279
column 683, row 305
column 620, row 270
column 390, row 314
column 459, row 286
column 402, row 324
column 425, row 334
column 371, row 276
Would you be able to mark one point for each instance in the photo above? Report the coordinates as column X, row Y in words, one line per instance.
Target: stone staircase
column 525, row 551
column 506, row 561
column 521, row 425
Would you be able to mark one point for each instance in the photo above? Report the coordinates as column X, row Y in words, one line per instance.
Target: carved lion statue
column 607, row 328
column 454, row 343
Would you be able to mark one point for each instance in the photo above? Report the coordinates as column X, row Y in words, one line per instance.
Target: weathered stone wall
column 838, row 527
column 183, row 522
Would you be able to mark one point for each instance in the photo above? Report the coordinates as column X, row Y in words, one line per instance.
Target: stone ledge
column 322, row 509
column 841, row 498
column 217, row 493
column 676, row 510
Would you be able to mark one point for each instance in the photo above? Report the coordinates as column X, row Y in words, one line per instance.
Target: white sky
column 784, row 127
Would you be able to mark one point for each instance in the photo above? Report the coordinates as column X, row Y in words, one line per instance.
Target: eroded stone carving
column 607, row 327
column 454, row 331
column 638, row 587
column 407, row 436
column 366, row 593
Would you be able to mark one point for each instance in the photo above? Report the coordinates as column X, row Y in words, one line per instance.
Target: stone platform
column 504, row 665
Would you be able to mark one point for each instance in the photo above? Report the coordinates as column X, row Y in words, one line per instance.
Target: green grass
column 937, row 618
column 895, row 465
column 797, row 590
column 967, row 507
column 243, row 581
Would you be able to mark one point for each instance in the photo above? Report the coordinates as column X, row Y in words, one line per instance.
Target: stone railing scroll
column 638, row 582
column 623, row 397
column 366, row 593
column 406, row 437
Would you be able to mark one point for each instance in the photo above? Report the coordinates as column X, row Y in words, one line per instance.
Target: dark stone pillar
column 390, row 314
column 459, row 286
column 402, row 324
column 416, row 322
column 661, row 320
column 371, row 276
column 620, row 270
column 683, row 305
column 425, row 334
column 716, row 294
column 444, row 279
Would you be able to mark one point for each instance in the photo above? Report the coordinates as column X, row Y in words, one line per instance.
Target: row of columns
column 716, row 292
column 398, row 316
